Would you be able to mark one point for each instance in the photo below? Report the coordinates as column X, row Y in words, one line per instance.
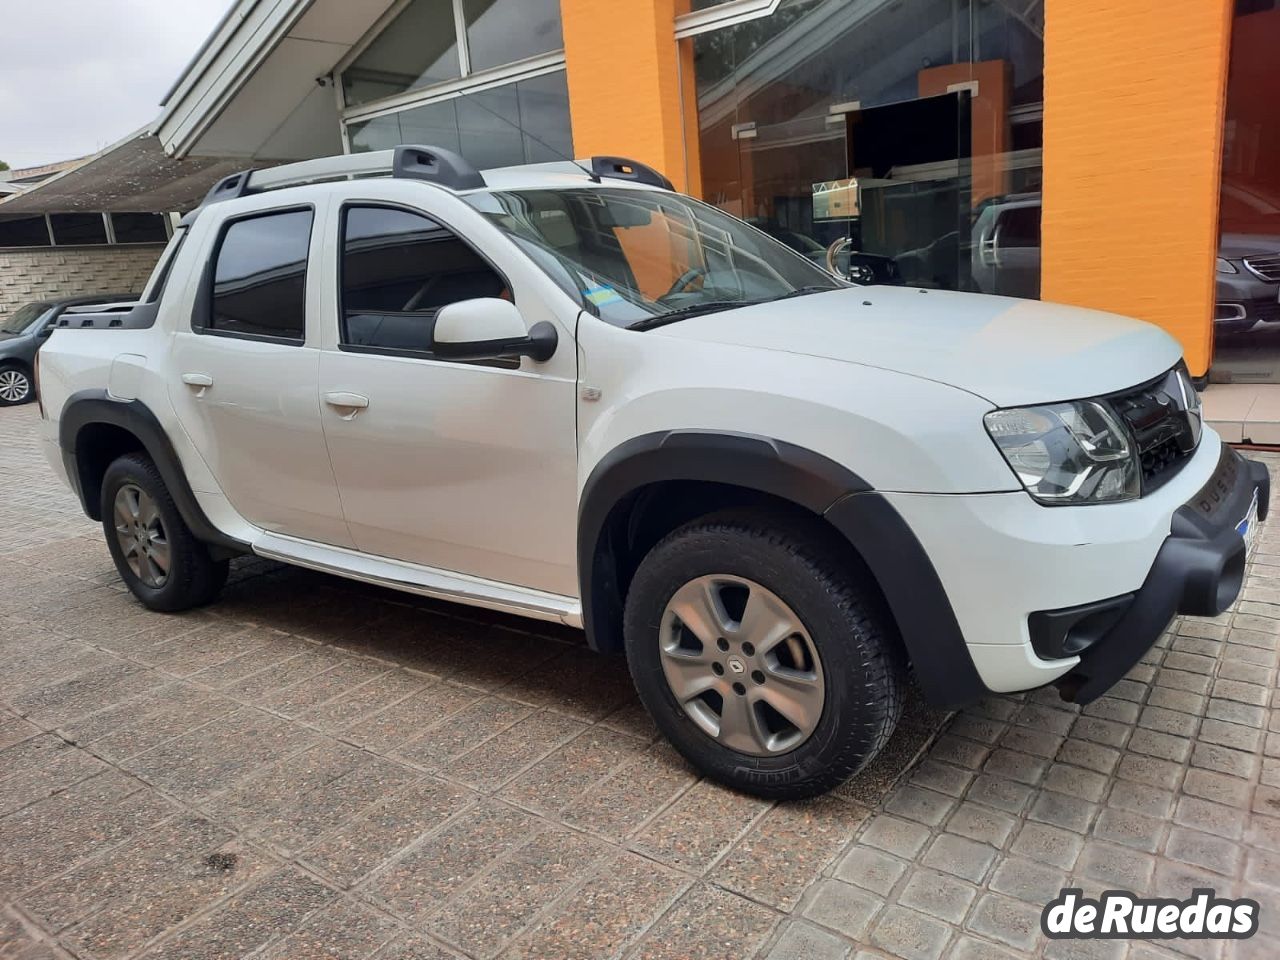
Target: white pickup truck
column 571, row 393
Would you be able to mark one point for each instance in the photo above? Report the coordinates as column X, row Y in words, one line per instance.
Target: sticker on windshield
column 602, row 296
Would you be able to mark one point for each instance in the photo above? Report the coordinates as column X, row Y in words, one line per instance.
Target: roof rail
column 620, row 168
column 406, row 162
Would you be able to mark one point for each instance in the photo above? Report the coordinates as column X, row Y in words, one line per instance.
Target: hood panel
column 1234, row 246
column 1008, row 351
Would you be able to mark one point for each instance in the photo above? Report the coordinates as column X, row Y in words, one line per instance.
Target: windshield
column 24, row 318
column 641, row 258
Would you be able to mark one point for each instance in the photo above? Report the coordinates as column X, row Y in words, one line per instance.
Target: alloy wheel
column 14, row 386
column 742, row 665
column 141, row 535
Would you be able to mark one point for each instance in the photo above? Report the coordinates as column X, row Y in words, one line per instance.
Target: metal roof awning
column 134, row 176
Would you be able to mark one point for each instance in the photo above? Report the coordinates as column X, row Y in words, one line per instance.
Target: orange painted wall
column 625, row 97
column 1133, row 120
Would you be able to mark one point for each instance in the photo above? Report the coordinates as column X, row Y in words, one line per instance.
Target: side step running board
column 424, row 581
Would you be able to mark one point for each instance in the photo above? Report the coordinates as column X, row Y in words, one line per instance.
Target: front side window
column 399, row 269
column 260, row 278
column 634, row 257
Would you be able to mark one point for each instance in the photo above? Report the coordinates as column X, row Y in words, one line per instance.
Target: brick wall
column 32, row 274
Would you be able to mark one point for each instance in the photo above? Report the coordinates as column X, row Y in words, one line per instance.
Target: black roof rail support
column 435, row 165
column 620, row 168
column 229, row 188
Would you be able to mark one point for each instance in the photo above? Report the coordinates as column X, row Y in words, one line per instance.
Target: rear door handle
column 352, row 403
column 201, row 382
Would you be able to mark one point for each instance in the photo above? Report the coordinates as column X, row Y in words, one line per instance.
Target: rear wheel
column 157, row 556
column 762, row 655
column 15, row 385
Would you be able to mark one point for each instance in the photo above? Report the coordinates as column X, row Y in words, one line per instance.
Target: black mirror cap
column 540, row 346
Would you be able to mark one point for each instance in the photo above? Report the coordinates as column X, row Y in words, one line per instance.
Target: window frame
column 469, row 81
column 340, row 274
column 202, row 312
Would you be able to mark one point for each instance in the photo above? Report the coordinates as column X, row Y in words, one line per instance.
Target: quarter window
column 398, row 269
column 260, row 278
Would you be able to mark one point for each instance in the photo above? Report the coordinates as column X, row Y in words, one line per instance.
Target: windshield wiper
column 802, row 292
column 693, row 310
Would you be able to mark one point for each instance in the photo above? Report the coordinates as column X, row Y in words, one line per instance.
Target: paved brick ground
column 316, row 769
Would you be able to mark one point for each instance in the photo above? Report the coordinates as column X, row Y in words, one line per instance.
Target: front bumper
column 1198, row 571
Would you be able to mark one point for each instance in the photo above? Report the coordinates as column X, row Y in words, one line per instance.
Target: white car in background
column 570, row 393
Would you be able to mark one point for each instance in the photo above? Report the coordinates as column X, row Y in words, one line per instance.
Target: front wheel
column 762, row 655
column 156, row 554
column 15, row 385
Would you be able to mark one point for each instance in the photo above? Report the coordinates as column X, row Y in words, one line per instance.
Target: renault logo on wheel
column 737, row 666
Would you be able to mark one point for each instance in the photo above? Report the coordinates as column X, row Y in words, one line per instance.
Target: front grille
column 1161, row 426
column 1266, row 268
column 1268, row 311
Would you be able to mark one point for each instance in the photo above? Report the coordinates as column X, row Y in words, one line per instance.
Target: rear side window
column 398, row 269
column 260, row 278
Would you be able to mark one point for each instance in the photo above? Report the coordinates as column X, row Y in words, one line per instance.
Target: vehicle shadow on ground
column 544, row 664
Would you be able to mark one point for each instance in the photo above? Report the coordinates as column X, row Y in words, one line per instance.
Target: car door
column 468, row 467
column 244, row 372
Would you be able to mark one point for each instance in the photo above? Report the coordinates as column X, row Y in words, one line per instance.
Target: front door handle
column 200, row 382
column 351, row 403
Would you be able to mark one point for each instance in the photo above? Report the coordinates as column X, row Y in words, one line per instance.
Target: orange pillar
column 624, row 83
column 1133, row 122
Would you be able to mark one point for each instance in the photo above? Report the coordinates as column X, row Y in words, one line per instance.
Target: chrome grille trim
column 1265, row 267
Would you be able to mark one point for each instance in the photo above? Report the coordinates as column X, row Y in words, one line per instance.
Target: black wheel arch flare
column 93, row 407
column 865, row 518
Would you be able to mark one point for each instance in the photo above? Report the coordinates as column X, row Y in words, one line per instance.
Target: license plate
column 1247, row 527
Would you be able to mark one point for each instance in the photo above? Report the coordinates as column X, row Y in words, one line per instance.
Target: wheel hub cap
column 141, row 535
column 742, row 665
column 14, row 386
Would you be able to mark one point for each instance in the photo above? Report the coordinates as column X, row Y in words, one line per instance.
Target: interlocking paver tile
column 482, row 918
column 608, row 912
column 698, row 827
column 359, row 846
column 783, row 853
column 707, row 923
column 433, row 870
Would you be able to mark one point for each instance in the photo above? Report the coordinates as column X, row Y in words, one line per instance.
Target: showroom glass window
column 872, row 136
column 1246, row 327
column 485, row 78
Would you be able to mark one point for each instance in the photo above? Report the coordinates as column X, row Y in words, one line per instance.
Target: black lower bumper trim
column 1198, row 571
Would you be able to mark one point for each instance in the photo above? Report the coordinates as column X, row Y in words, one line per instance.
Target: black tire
column 19, row 387
column 193, row 578
column 853, row 634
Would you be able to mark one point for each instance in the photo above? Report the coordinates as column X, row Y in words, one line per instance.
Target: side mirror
column 490, row 329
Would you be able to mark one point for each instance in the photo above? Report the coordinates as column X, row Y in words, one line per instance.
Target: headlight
column 1068, row 453
column 1226, row 266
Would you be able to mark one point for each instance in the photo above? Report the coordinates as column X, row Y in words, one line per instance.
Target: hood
column 1235, row 246
column 1011, row 352
column 5, row 336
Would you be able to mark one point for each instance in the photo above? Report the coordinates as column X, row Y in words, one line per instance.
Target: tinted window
column 1020, row 227
column 24, row 232
column 259, row 284
column 70, row 229
column 139, row 227
column 398, row 270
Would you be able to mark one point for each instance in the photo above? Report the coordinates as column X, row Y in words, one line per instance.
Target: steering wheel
column 686, row 278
